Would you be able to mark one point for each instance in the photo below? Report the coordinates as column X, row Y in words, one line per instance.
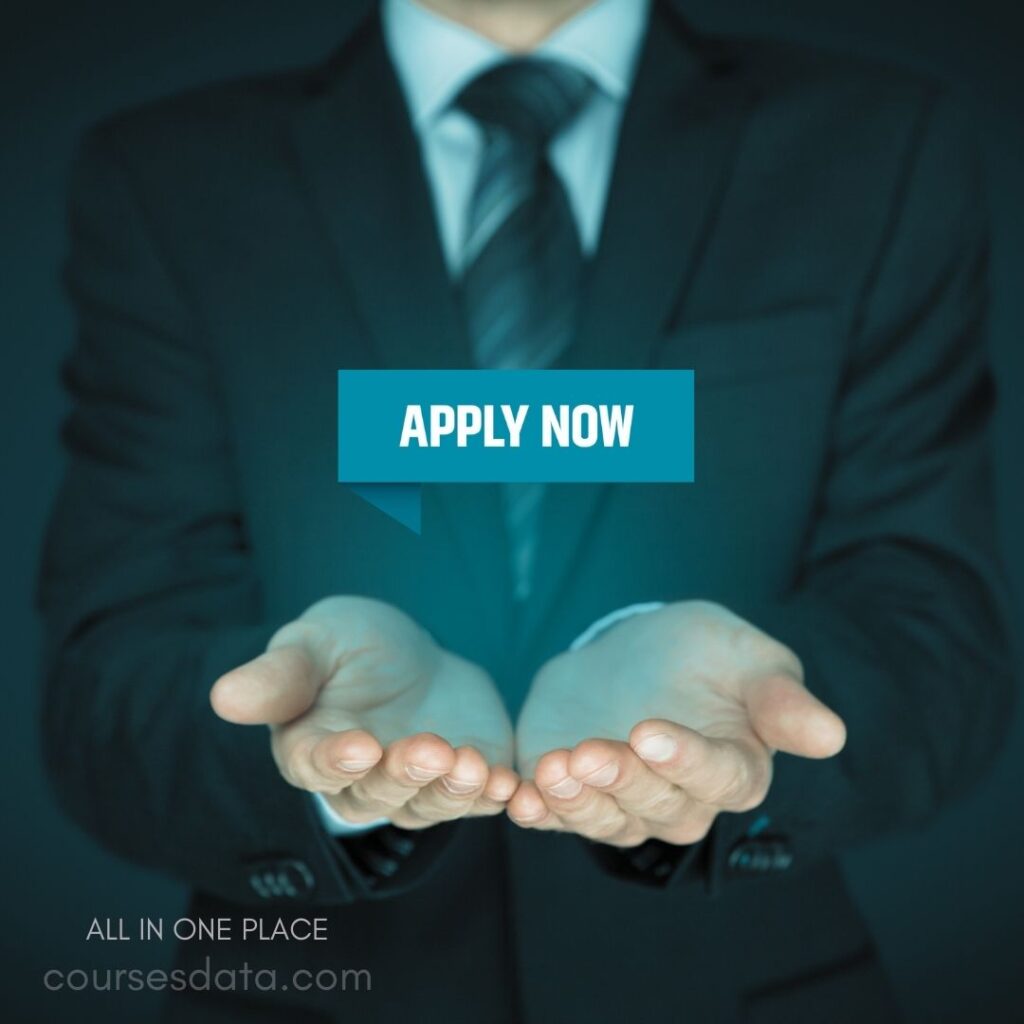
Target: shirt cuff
column 592, row 632
column 336, row 825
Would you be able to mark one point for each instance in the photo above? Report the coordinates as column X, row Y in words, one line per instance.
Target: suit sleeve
column 896, row 609
column 147, row 587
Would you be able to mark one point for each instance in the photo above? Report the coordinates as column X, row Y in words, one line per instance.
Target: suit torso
column 744, row 217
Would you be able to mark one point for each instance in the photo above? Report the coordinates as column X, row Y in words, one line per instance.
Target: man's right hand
column 358, row 698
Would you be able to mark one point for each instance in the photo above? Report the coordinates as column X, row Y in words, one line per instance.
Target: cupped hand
column 660, row 724
column 366, row 709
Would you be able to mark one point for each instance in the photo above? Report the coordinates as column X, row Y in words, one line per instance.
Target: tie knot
column 530, row 98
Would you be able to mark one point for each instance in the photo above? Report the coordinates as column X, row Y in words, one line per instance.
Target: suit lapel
column 677, row 147
column 360, row 162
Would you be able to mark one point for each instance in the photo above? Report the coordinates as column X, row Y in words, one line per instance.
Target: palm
column 686, row 663
column 390, row 679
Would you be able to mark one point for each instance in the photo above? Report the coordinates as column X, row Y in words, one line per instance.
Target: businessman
column 579, row 752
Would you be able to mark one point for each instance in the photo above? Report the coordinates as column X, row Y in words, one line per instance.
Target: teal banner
column 408, row 427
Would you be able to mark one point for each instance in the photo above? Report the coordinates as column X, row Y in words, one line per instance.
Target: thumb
column 272, row 689
column 788, row 717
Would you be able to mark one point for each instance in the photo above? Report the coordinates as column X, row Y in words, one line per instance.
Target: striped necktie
column 522, row 263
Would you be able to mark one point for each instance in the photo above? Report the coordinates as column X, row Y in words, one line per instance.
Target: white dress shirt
column 434, row 58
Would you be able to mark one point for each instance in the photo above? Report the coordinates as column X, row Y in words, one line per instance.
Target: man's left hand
column 661, row 723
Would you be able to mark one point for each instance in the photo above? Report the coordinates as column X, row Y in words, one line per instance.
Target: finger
column 502, row 783
column 691, row 828
column 614, row 768
column 292, row 748
column 581, row 809
column 407, row 766
column 272, row 689
column 528, row 809
column 453, row 794
column 321, row 760
column 730, row 774
column 342, row 758
column 788, row 717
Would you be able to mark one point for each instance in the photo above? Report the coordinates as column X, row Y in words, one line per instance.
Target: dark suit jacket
column 805, row 232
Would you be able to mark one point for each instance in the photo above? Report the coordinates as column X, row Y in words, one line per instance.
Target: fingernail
column 355, row 766
column 524, row 819
column 459, row 786
column 657, row 748
column 604, row 776
column 418, row 774
column 567, row 788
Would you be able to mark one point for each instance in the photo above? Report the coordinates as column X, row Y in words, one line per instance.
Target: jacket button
column 760, row 856
column 281, row 879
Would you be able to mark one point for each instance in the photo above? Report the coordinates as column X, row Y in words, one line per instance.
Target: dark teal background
column 947, row 904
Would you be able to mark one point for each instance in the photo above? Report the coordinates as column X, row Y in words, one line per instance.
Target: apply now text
column 562, row 426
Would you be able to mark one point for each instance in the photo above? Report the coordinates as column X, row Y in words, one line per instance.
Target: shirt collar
column 435, row 57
